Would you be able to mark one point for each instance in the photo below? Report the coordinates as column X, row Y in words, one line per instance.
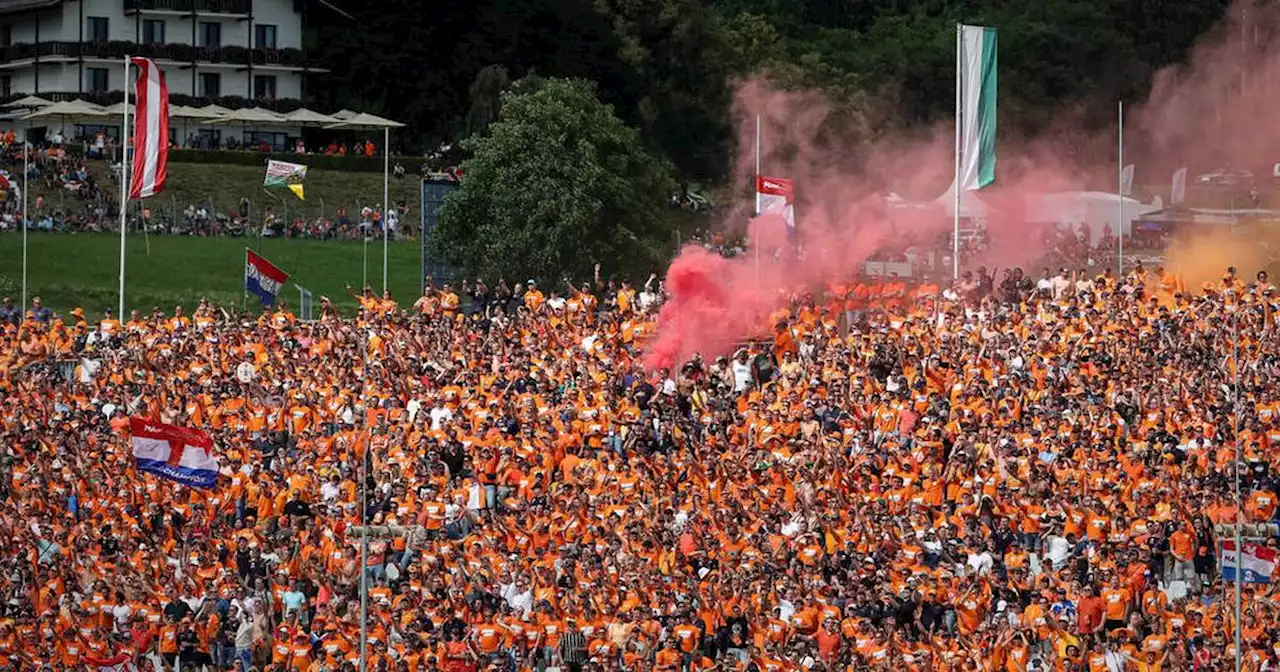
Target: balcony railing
column 201, row 6
column 186, row 53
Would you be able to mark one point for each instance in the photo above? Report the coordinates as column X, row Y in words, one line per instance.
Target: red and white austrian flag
column 150, row 131
column 176, row 453
column 776, row 195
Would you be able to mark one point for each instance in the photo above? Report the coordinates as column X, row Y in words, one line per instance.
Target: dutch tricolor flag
column 1256, row 563
column 262, row 278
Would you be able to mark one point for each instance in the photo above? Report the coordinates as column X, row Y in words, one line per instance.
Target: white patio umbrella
column 215, row 110
column 249, row 115
column 310, row 118
column 69, row 110
column 79, row 109
column 185, row 112
column 191, row 114
column 118, row 109
column 29, row 102
column 372, row 122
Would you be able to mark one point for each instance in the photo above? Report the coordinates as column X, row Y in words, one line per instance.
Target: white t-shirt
column 1057, row 550
column 439, row 416
column 980, row 563
column 741, row 375
column 647, row 300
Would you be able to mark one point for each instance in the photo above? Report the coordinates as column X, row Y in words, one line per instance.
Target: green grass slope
column 83, row 270
column 220, row 187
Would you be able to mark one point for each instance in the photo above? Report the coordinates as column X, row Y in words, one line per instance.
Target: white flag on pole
column 1126, row 180
column 977, row 123
column 1178, row 192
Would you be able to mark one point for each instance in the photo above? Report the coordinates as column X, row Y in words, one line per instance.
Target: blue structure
column 434, row 191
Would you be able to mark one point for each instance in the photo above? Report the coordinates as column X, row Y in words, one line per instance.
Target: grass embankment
column 220, row 187
column 83, row 270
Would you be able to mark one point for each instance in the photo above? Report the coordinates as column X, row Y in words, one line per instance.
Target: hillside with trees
column 667, row 68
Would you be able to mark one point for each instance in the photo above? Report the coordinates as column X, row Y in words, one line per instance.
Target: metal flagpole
column 756, row 187
column 1235, row 360
column 955, row 233
column 364, row 518
column 124, row 179
column 386, row 214
column 26, row 170
column 1120, row 195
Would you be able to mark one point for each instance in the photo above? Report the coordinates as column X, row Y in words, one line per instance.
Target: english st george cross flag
column 1255, row 564
column 775, row 195
column 150, row 131
column 262, row 279
column 176, row 453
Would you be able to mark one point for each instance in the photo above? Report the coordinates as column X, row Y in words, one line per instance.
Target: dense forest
column 640, row 93
column 667, row 66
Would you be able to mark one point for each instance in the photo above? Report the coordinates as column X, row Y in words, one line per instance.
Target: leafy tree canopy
column 557, row 183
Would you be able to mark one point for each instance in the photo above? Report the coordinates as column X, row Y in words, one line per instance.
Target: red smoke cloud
column 1197, row 115
column 1219, row 108
column 842, row 175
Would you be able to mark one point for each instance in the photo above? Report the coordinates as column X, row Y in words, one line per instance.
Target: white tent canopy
column 343, row 114
column 1097, row 210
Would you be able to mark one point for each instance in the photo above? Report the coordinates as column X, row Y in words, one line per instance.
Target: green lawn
column 83, row 270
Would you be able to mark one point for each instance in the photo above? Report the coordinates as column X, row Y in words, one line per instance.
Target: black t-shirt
column 297, row 507
column 177, row 609
column 644, row 392
column 479, row 300
column 187, row 641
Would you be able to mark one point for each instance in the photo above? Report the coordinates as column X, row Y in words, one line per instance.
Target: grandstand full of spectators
column 1005, row 474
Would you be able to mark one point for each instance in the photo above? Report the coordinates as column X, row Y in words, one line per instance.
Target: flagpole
column 386, row 214
column 364, row 500
column 124, row 179
column 1235, row 407
column 755, row 186
column 26, row 169
column 955, row 232
column 1120, row 193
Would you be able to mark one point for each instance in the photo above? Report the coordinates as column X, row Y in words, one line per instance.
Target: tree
column 557, row 184
column 676, row 60
column 486, row 98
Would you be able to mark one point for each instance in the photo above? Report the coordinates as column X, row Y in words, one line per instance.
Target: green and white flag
column 976, row 92
column 285, row 174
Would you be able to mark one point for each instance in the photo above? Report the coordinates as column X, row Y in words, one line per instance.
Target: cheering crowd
column 1006, row 474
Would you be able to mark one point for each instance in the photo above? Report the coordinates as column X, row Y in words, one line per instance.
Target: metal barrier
column 1247, row 530
column 304, row 303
